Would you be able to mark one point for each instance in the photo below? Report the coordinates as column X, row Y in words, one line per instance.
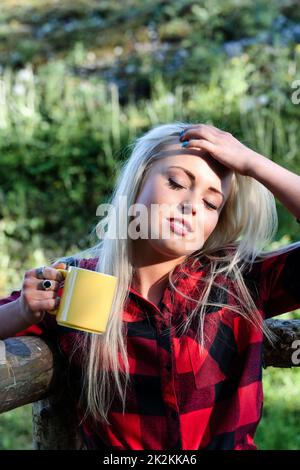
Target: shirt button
column 174, row 414
column 168, row 367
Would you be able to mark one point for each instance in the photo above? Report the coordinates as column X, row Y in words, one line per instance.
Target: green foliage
column 16, row 429
column 278, row 429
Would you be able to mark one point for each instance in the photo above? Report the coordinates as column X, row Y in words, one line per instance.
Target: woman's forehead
column 187, row 157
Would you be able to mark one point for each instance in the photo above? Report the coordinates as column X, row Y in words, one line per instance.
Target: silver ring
column 40, row 272
column 47, row 284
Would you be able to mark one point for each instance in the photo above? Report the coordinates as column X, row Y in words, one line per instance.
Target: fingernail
column 185, row 143
column 181, row 133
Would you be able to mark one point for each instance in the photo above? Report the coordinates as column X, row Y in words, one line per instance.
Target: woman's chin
column 175, row 248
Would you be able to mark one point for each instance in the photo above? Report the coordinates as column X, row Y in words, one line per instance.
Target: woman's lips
column 180, row 226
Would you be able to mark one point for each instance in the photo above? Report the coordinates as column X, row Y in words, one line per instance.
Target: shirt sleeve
column 35, row 330
column 48, row 325
column 277, row 282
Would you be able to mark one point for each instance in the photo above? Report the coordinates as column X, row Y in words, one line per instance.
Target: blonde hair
column 246, row 224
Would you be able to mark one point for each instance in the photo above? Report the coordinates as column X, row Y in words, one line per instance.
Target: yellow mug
column 86, row 299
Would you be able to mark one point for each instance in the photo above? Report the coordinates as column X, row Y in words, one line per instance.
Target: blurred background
column 80, row 79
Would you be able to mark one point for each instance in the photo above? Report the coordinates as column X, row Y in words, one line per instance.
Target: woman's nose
column 188, row 208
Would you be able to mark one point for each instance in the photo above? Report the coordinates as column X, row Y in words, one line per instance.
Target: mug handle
column 64, row 273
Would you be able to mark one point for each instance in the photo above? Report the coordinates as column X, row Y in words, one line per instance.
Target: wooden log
column 284, row 353
column 32, row 371
column 54, row 425
column 27, row 371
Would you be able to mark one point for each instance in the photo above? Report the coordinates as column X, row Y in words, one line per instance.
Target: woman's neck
column 151, row 272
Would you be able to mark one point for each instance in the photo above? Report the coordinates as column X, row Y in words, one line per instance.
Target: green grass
column 279, row 426
column 16, row 429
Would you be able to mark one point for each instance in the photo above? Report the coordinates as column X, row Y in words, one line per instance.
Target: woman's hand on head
column 34, row 301
column 222, row 146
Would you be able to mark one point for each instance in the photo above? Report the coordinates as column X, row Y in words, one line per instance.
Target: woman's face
column 188, row 185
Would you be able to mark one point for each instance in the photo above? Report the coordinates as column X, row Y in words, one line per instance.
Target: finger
column 202, row 131
column 34, row 283
column 52, row 274
column 45, row 295
column 214, row 129
column 48, row 304
column 201, row 144
column 38, row 284
column 59, row 264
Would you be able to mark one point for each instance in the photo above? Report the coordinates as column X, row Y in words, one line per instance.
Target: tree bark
column 28, row 367
column 284, row 354
column 54, row 425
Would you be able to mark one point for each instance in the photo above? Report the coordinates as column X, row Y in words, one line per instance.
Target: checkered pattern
column 179, row 398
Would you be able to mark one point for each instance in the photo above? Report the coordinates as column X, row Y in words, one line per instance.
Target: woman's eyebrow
column 192, row 177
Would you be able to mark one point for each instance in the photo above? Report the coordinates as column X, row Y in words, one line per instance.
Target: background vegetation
column 80, row 79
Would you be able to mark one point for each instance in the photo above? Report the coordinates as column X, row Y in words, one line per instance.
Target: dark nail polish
column 185, row 143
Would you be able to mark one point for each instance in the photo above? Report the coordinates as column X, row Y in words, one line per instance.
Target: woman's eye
column 177, row 186
column 174, row 185
column 211, row 205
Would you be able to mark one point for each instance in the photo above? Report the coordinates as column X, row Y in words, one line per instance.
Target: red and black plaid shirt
column 179, row 399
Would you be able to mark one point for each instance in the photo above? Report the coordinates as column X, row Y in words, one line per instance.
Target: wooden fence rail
column 33, row 371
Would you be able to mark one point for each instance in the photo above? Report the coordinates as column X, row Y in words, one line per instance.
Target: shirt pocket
column 205, row 369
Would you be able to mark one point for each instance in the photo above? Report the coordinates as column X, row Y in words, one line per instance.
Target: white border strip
column 72, row 279
column 2, row 353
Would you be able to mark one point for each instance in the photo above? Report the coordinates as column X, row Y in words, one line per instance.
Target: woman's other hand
column 222, row 146
column 34, row 301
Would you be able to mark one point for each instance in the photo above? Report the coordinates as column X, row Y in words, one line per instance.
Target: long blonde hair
column 247, row 223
